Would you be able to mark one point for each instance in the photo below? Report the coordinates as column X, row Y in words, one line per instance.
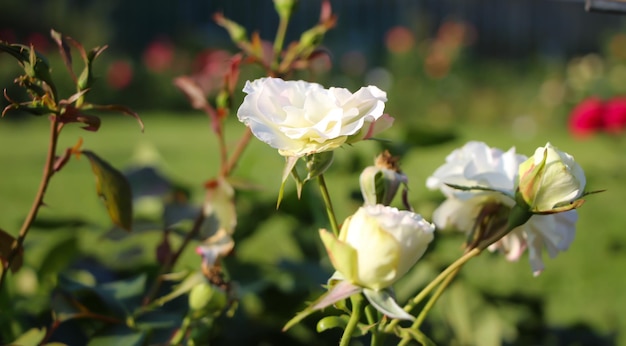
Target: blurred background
column 509, row 73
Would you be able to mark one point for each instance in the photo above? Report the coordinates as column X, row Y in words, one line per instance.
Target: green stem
column 355, row 317
column 433, row 299
column 180, row 334
column 279, row 40
column 429, row 305
column 443, row 275
column 329, row 205
column 372, row 319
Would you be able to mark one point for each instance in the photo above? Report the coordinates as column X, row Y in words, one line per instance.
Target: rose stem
column 48, row 171
column 429, row 305
column 444, row 274
column 355, row 316
column 329, row 205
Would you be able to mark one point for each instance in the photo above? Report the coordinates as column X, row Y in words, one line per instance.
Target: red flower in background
column 593, row 115
column 158, row 56
column 587, row 117
column 120, row 74
column 615, row 115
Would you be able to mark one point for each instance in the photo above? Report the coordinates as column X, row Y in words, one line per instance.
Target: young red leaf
column 64, row 49
column 115, row 108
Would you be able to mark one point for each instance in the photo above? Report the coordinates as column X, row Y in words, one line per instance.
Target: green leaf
column 31, row 338
column 125, row 294
column 18, row 51
column 157, row 320
column 473, row 188
column 6, row 243
column 290, row 163
column 337, row 293
column 384, row 302
column 118, row 335
column 114, row 189
column 190, row 282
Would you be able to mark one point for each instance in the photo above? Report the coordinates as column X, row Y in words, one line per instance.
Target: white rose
column 550, row 180
column 476, row 164
column 300, row 118
column 554, row 232
column 378, row 245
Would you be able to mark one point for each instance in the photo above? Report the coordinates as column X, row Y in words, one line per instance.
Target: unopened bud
column 285, row 8
column 317, row 164
column 206, row 299
column 380, row 183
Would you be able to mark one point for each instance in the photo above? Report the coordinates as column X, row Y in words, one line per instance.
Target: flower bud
column 380, row 183
column 550, row 181
column 378, row 245
column 285, row 8
column 236, row 32
column 317, row 164
column 205, row 298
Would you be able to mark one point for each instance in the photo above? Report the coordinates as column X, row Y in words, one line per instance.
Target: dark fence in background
column 505, row 28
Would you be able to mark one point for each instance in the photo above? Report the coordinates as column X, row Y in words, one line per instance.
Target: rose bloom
column 300, row 118
column 378, row 245
column 476, row 164
column 587, row 117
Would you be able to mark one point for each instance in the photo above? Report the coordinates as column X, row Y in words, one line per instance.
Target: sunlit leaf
column 290, row 163
column 6, row 243
column 118, row 335
column 157, row 320
column 339, row 292
column 31, row 338
column 384, row 302
column 114, row 189
column 190, row 282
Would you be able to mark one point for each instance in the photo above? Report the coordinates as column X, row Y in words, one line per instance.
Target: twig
column 236, row 154
column 171, row 261
column 48, row 171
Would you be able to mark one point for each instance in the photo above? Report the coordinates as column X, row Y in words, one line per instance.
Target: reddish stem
column 239, row 149
column 48, row 171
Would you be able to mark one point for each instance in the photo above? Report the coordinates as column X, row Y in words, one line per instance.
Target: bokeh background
column 509, row 73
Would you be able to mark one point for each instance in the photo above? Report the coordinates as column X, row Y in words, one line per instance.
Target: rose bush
column 300, row 118
column 476, row 164
column 377, row 245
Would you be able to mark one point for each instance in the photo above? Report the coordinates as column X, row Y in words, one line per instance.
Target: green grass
column 583, row 285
